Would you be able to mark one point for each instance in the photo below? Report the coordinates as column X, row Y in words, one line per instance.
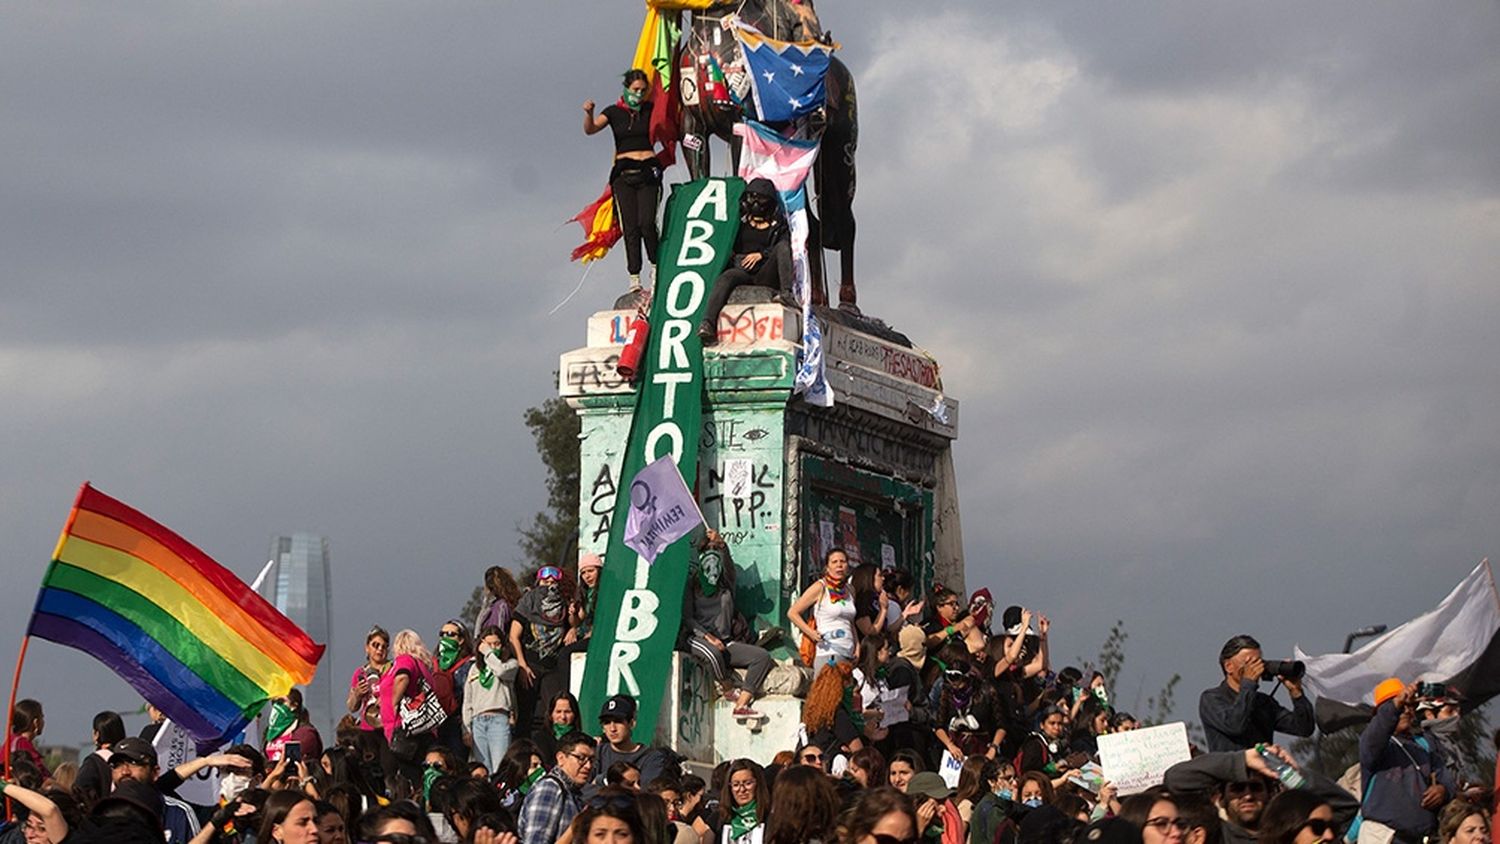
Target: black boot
column 708, row 333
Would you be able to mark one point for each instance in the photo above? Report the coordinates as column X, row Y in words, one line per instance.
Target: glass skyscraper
column 299, row 585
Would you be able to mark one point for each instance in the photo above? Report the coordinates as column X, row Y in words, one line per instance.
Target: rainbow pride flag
column 192, row 638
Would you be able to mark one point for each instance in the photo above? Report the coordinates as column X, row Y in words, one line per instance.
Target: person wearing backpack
column 454, row 659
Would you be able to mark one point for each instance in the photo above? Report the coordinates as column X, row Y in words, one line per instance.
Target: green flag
column 640, row 605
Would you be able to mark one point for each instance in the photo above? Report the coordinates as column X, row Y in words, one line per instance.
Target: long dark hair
column 1285, row 814
column 804, row 807
column 611, row 802
column 862, row 580
column 762, row 790
column 860, row 820
column 278, row 806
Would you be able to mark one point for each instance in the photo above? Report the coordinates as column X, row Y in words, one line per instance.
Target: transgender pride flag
column 787, row 163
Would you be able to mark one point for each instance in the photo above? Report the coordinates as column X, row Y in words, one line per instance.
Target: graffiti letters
column 602, row 502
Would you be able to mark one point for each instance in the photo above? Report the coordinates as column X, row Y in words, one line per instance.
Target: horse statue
column 708, row 110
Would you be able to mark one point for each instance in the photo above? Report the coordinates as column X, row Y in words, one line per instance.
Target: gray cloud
column 1215, row 285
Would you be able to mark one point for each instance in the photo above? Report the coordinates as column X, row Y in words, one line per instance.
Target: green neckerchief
column 447, row 653
column 531, row 779
column 632, row 99
column 429, row 776
column 483, row 672
column 743, row 819
column 281, row 721
column 560, row 730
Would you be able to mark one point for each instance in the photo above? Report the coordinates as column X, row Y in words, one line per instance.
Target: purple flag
column 662, row 509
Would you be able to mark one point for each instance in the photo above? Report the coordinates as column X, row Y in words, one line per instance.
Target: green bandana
column 709, row 566
column 632, row 99
column 483, row 672
column 429, row 776
column 560, row 730
column 530, row 780
column 447, row 653
column 743, row 819
column 281, row 721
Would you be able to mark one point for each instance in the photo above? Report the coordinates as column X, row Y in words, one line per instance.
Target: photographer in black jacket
column 1236, row 715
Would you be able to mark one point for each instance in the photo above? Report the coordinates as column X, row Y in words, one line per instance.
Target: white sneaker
column 635, row 282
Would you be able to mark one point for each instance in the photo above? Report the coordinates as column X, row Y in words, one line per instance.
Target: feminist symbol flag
column 662, row 509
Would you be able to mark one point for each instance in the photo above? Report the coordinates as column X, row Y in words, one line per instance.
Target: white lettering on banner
column 693, row 282
column 672, row 354
column 712, row 195
column 621, row 678
column 671, row 380
column 696, row 250
column 637, row 620
column 665, row 430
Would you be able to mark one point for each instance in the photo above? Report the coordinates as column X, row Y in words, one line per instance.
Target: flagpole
column 15, row 680
column 1490, row 570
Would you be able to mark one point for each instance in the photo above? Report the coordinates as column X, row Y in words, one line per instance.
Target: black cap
column 1110, row 831
column 135, row 749
column 136, row 794
column 618, row 708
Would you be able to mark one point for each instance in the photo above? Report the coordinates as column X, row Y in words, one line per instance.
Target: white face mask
column 232, row 786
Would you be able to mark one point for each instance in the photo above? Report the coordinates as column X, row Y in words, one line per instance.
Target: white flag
column 1453, row 644
column 662, row 509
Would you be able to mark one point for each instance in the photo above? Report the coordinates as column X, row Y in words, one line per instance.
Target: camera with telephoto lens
column 1432, row 690
column 1286, row 669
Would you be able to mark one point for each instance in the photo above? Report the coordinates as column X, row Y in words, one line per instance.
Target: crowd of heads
column 925, row 716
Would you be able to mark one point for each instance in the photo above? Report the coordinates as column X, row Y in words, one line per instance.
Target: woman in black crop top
column 635, row 179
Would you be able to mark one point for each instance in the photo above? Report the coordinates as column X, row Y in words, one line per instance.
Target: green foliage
column 1159, row 707
column 1110, row 662
column 1111, row 656
column 471, row 607
column 552, row 535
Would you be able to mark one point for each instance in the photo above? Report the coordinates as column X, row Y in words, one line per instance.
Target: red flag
column 600, row 228
column 666, row 113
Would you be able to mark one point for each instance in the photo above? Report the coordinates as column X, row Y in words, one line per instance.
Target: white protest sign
column 1136, row 760
column 174, row 747
column 949, row 769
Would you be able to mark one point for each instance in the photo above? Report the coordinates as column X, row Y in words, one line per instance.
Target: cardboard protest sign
column 1136, row 760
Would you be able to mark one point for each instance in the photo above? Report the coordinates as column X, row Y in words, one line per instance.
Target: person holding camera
column 1237, row 715
column 1406, row 782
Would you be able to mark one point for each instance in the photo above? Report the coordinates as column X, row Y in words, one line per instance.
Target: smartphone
column 292, row 750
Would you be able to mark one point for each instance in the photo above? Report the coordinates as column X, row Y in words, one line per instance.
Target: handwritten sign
column 1136, row 760
column 174, row 747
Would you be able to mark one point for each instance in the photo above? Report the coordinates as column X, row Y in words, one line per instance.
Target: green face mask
column 447, row 653
column 633, row 98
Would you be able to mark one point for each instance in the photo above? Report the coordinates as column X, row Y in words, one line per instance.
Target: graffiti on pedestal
column 601, row 503
column 748, row 327
column 594, row 376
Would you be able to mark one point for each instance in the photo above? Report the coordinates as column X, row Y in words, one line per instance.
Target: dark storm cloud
column 1213, row 282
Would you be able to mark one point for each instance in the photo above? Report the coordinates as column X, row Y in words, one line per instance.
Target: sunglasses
column 398, row 838
column 1161, row 824
column 881, row 838
column 450, row 634
column 1318, row 826
column 1237, row 789
column 812, row 757
column 614, row 801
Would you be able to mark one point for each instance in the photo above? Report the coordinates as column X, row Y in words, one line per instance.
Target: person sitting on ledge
column 762, row 255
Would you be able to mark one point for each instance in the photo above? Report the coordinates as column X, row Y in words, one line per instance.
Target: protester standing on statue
column 635, row 179
column 833, row 611
column 1237, row 715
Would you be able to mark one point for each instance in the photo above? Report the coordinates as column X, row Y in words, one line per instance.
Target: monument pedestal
column 784, row 481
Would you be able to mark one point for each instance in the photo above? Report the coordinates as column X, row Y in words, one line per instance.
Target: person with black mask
column 635, row 179
column 762, row 254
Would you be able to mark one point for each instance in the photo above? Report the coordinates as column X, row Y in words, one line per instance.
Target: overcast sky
column 1214, row 282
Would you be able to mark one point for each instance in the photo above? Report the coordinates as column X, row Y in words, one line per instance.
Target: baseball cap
column 618, row 708
column 134, row 749
column 929, row 784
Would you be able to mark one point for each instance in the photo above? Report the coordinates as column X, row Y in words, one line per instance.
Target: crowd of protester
column 928, row 718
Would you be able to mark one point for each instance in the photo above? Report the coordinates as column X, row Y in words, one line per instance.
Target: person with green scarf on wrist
column 743, row 804
column 454, row 659
column 489, row 698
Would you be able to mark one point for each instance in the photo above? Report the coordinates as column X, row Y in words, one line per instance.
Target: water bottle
column 1290, row 777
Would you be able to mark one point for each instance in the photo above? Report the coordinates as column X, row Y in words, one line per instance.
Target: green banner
column 640, row 604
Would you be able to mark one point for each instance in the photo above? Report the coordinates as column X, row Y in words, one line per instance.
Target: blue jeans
column 491, row 732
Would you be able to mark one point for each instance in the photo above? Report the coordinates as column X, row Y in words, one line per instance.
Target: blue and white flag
column 786, row 77
column 662, row 509
column 787, row 163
